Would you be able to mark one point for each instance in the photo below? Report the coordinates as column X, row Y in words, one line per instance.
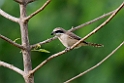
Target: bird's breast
column 67, row 41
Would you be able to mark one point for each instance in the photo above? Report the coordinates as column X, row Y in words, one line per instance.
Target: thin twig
column 6, row 15
column 92, row 21
column 45, row 61
column 4, row 64
column 98, row 64
column 66, row 50
column 74, row 28
column 11, row 42
column 39, row 10
column 100, row 26
column 46, row 41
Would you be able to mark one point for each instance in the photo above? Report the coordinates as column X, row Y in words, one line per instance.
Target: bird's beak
column 52, row 33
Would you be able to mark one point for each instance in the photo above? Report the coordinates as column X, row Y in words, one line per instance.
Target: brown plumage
column 68, row 38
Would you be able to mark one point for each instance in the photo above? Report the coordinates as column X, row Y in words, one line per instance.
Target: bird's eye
column 59, row 31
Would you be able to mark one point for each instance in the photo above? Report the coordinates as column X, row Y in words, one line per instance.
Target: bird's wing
column 73, row 36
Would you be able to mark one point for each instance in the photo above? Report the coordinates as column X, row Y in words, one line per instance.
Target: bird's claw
column 67, row 49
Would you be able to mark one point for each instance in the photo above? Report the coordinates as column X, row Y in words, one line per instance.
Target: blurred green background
column 65, row 13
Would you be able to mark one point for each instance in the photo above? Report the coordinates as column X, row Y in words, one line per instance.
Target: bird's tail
column 94, row 44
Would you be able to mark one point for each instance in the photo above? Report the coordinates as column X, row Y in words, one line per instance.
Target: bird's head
column 58, row 31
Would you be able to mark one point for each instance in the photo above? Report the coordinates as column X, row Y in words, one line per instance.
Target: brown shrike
column 68, row 38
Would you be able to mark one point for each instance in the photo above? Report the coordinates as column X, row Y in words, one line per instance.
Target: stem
column 9, row 66
column 39, row 10
column 92, row 21
column 10, row 17
column 11, row 42
column 25, row 43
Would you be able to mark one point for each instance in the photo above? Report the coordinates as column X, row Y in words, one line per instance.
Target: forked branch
column 92, row 21
column 98, row 64
column 24, row 1
column 91, row 33
column 75, row 28
column 100, row 26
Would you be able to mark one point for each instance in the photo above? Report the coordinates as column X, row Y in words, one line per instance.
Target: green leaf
column 16, row 39
column 41, row 50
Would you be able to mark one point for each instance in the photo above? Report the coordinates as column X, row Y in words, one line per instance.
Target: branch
column 7, row 65
column 45, row 61
column 11, row 42
column 75, row 28
column 66, row 50
column 25, row 43
column 39, row 10
column 98, row 64
column 100, row 26
column 4, row 14
column 24, row 1
column 46, row 41
column 92, row 21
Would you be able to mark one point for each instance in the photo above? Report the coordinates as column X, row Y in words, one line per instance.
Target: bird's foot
column 67, row 49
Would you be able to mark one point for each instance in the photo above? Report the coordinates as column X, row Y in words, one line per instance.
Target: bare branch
column 100, row 26
column 46, row 41
column 11, row 42
column 7, row 65
column 4, row 14
column 39, row 10
column 25, row 43
column 92, row 21
column 98, row 64
column 75, row 28
column 45, row 61
column 66, row 50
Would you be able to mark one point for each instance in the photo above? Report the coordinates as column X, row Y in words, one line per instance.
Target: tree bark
column 26, row 45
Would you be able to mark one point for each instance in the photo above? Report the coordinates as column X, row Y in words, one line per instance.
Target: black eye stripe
column 59, row 31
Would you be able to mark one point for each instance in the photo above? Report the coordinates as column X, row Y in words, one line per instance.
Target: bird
column 68, row 38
